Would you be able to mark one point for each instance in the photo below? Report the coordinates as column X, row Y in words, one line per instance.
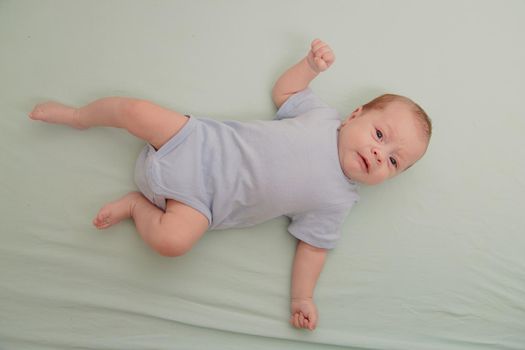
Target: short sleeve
column 321, row 228
column 300, row 103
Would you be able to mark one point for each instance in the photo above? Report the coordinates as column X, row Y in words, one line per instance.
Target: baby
column 198, row 174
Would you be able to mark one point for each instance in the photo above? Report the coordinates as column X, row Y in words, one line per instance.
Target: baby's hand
column 320, row 57
column 304, row 314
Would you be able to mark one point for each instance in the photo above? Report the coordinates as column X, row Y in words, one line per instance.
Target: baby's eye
column 393, row 161
column 379, row 134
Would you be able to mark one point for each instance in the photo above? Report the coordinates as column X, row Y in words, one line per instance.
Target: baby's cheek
column 384, row 174
column 392, row 173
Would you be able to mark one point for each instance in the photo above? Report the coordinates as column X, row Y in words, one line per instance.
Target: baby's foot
column 57, row 113
column 114, row 212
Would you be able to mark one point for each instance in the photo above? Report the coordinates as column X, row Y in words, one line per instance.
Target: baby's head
column 383, row 138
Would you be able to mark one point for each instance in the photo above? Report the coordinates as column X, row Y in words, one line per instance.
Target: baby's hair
column 383, row 100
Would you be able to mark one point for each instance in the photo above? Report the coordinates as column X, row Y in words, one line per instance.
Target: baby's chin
column 365, row 180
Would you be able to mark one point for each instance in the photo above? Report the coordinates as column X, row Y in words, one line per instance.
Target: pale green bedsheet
column 431, row 260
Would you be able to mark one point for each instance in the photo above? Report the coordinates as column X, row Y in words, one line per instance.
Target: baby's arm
column 298, row 77
column 307, row 267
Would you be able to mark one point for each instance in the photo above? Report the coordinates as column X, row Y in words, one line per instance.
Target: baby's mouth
column 365, row 162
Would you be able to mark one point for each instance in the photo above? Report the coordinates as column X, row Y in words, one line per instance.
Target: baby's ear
column 356, row 113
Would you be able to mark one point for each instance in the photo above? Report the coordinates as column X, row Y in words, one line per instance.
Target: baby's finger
column 313, row 322
column 322, row 51
column 306, row 323
column 314, row 43
column 296, row 321
column 318, row 47
column 301, row 320
column 328, row 57
column 320, row 63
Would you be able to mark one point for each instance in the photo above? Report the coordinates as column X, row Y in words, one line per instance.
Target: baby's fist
column 303, row 314
column 320, row 57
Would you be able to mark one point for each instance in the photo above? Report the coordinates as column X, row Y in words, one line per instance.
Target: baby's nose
column 378, row 156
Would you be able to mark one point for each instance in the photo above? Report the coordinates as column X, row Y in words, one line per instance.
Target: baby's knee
column 172, row 246
column 178, row 230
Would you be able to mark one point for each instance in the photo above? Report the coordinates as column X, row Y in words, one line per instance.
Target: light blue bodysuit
column 240, row 174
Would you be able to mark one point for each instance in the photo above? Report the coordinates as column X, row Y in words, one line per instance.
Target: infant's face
column 379, row 144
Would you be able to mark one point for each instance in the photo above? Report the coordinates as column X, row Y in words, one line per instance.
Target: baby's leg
column 170, row 233
column 141, row 118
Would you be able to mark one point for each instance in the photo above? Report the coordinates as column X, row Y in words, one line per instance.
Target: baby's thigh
column 155, row 124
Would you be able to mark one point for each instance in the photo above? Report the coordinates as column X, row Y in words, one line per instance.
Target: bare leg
column 170, row 233
column 141, row 118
